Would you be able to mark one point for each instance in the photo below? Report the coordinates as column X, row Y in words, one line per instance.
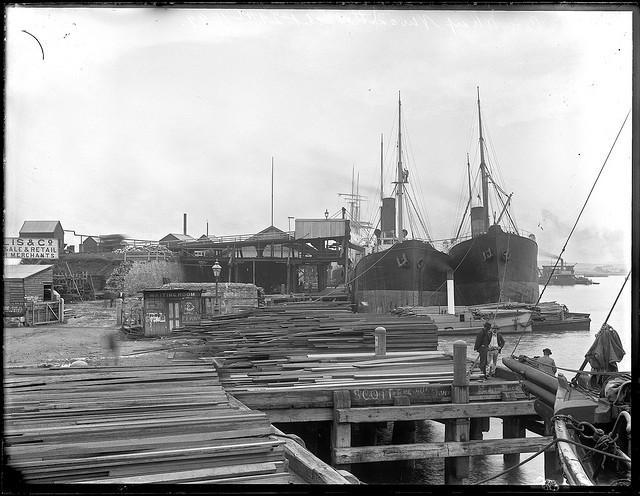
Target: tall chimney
column 185, row 224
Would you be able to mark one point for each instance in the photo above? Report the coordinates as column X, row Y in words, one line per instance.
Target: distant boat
column 399, row 271
column 470, row 320
column 564, row 275
column 510, row 318
column 493, row 265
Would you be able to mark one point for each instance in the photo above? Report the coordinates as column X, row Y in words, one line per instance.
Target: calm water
column 568, row 351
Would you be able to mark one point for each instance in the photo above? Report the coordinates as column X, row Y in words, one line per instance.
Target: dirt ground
column 84, row 336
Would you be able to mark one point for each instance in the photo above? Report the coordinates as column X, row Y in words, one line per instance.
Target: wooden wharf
column 209, row 416
column 313, row 367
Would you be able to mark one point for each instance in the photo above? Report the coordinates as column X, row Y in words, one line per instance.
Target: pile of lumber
column 167, row 424
column 315, row 344
column 337, row 371
column 320, row 327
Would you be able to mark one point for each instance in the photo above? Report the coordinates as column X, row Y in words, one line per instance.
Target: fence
column 44, row 312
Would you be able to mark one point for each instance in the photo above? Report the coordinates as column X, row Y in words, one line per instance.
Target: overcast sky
column 138, row 115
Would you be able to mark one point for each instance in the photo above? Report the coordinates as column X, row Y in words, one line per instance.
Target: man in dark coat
column 482, row 346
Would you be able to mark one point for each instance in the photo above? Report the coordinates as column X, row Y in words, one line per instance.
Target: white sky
column 138, row 115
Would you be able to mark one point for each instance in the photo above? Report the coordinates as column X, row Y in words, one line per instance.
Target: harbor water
column 568, row 349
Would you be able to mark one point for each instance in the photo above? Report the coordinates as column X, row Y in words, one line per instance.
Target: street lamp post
column 216, row 273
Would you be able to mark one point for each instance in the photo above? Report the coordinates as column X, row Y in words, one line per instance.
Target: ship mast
column 400, row 179
column 381, row 169
column 483, row 170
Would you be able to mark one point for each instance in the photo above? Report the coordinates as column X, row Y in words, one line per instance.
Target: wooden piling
column 477, row 427
column 404, row 432
column 457, row 468
column 340, row 432
column 512, row 428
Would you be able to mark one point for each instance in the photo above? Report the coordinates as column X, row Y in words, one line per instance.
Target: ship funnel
column 477, row 221
column 450, row 298
column 388, row 219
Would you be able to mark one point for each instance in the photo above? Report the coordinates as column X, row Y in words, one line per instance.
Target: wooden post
column 478, row 426
column 288, row 288
column 118, row 311
column 512, row 428
column 457, row 468
column 380, row 341
column 340, row 432
column 552, row 467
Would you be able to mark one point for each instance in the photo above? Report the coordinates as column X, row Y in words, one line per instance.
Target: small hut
column 165, row 309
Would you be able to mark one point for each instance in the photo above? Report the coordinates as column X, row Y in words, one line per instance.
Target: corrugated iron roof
column 20, row 271
column 40, row 226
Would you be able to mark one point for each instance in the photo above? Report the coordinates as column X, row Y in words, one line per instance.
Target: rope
column 355, row 278
column 576, row 223
column 582, row 209
column 542, row 450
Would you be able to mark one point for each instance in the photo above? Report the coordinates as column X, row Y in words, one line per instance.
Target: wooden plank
column 190, row 475
column 292, row 415
column 308, row 466
column 433, row 412
column 417, row 451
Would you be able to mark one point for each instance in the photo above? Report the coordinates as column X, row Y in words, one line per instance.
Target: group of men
column 489, row 344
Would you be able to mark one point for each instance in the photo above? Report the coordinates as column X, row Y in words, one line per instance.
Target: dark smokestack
column 184, row 223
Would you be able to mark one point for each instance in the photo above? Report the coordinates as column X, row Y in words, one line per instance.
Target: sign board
column 31, row 248
column 13, row 310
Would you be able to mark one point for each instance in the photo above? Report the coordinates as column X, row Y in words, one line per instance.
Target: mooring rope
column 542, row 450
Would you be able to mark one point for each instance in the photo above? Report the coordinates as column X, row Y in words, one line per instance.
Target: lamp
column 216, row 273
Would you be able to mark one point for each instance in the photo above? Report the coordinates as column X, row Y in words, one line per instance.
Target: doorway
column 174, row 315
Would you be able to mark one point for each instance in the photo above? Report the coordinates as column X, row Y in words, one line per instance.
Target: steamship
column 564, row 275
column 494, row 264
column 399, row 271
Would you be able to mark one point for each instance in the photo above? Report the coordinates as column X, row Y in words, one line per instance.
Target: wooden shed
column 28, row 291
column 27, row 283
column 166, row 309
column 91, row 245
column 43, row 229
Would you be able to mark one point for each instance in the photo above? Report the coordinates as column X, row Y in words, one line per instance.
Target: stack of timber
column 279, row 332
column 337, row 371
column 153, row 424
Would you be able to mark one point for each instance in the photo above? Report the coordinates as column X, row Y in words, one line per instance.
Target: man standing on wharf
column 495, row 347
column 482, row 346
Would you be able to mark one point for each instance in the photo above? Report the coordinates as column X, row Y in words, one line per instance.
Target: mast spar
column 483, row 170
column 400, row 179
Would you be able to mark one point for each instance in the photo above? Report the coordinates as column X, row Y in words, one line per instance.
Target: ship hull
column 495, row 267
column 408, row 273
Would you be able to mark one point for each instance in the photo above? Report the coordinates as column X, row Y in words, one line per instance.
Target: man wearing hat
column 482, row 346
column 546, row 362
column 496, row 343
